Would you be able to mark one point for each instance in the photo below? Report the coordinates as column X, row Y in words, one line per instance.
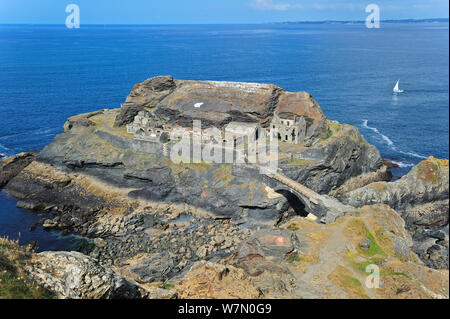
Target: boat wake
column 384, row 137
column 392, row 146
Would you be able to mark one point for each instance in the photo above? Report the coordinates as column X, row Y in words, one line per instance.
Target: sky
column 213, row 11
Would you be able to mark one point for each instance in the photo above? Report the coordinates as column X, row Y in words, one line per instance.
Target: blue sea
column 48, row 73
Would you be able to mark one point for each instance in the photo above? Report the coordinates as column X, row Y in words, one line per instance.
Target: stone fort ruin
column 286, row 128
column 289, row 128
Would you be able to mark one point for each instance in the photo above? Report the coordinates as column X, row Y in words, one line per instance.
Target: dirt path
column 315, row 282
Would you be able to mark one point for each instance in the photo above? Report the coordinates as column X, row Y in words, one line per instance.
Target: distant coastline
column 434, row 20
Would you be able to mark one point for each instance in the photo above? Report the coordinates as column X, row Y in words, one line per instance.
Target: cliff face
column 221, row 102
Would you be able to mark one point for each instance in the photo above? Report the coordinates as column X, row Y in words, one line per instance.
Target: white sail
column 397, row 87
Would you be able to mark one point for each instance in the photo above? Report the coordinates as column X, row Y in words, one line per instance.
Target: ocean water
column 48, row 73
column 15, row 224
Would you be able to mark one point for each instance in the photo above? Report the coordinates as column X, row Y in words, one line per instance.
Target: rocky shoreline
column 165, row 230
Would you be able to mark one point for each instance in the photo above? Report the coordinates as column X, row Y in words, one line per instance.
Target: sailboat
column 397, row 89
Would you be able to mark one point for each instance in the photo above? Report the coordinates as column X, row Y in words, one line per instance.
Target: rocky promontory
column 422, row 198
column 163, row 229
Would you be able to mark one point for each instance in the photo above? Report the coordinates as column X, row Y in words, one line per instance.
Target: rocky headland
column 163, row 230
column 422, row 199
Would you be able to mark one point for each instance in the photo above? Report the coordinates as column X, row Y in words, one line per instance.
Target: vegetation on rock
column 14, row 283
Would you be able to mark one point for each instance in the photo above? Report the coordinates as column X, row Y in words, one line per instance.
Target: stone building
column 144, row 127
column 241, row 132
column 288, row 128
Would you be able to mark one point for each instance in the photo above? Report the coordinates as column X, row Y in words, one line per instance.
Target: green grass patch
column 300, row 162
column 168, row 286
column 13, row 282
column 300, row 259
column 386, row 272
column 389, row 272
column 361, row 267
column 292, row 259
column 293, row 227
column 374, row 248
column 344, row 279
column 13, row 286
column 330, row 134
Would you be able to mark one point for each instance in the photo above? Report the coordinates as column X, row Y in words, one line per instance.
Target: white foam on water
column 391, row 144
column 384, row 137
column 411, row 154
column 402, row 164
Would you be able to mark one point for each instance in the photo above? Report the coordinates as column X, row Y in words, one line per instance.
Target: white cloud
column 270, row 5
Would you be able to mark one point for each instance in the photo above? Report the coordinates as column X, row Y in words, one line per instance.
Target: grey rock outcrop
column 429, row 225
column 146, row 94
column 13, row 165
column 72, row 275
column 421, row 197
column 426, row 182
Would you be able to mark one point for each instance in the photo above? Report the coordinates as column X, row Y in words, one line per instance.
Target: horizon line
column 243, row 23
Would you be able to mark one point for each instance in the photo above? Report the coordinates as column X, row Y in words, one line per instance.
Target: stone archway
column 295, row 202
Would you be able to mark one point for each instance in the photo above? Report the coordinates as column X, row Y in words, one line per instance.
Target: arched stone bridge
column 324, row 207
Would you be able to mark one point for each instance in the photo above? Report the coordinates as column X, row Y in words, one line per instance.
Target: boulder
column 72, row 275
column 213, row 280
